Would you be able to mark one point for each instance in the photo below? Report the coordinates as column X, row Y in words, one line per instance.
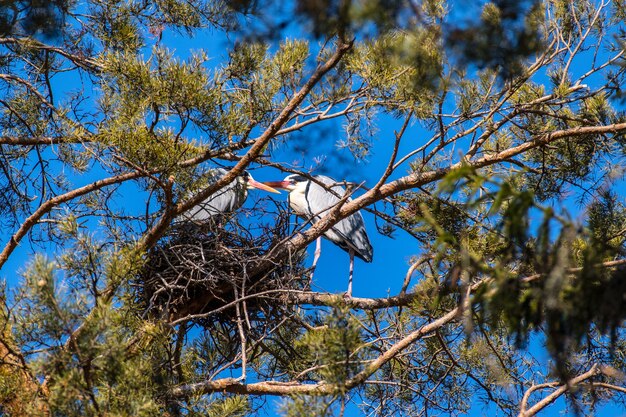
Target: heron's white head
column 252, row 183
column 290, row 183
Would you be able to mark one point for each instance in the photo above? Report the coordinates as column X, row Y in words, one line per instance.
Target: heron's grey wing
column 319, row 200
column 225, row 200
column 352, row 230
column 349, row 233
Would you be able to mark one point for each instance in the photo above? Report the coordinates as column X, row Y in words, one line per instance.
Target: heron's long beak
column 284, row 185
column 255, row 184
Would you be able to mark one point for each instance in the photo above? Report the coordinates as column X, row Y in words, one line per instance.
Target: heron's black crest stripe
column 298, row 178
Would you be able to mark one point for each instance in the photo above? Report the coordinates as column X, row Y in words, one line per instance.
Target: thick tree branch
column 39, row 140
column 356, row 303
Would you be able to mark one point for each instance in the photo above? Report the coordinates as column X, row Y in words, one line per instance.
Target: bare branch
column 326, row 299
column 80, row 61
column 41, row 140
column 604, row 385
column 556, row 394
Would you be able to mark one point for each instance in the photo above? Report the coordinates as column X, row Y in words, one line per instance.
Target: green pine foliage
column 502, row 131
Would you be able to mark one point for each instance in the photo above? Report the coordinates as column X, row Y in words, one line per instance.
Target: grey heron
column 225, row 200
column 312, row 201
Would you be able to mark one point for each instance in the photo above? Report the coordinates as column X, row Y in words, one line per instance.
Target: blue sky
column 382, row 277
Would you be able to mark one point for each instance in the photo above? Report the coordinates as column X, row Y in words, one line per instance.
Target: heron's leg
column 318, row 252
column 349, row 292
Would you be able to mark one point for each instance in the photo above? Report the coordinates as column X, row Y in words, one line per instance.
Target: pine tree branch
column 595, row 370
column 420, row 179
column 356, row 303
column 294, row 297
column 30, row 43
column 234, row 386
column 15, row 79
column 39, row 140
column 48, row 205
column 604, row 385
column 260, row 143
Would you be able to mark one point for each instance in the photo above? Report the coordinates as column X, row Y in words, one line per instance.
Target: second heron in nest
column 226, row 200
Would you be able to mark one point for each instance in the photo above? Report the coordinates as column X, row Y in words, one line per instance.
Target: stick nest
column 203, row 272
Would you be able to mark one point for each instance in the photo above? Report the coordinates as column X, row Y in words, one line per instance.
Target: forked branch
column 562, row 388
